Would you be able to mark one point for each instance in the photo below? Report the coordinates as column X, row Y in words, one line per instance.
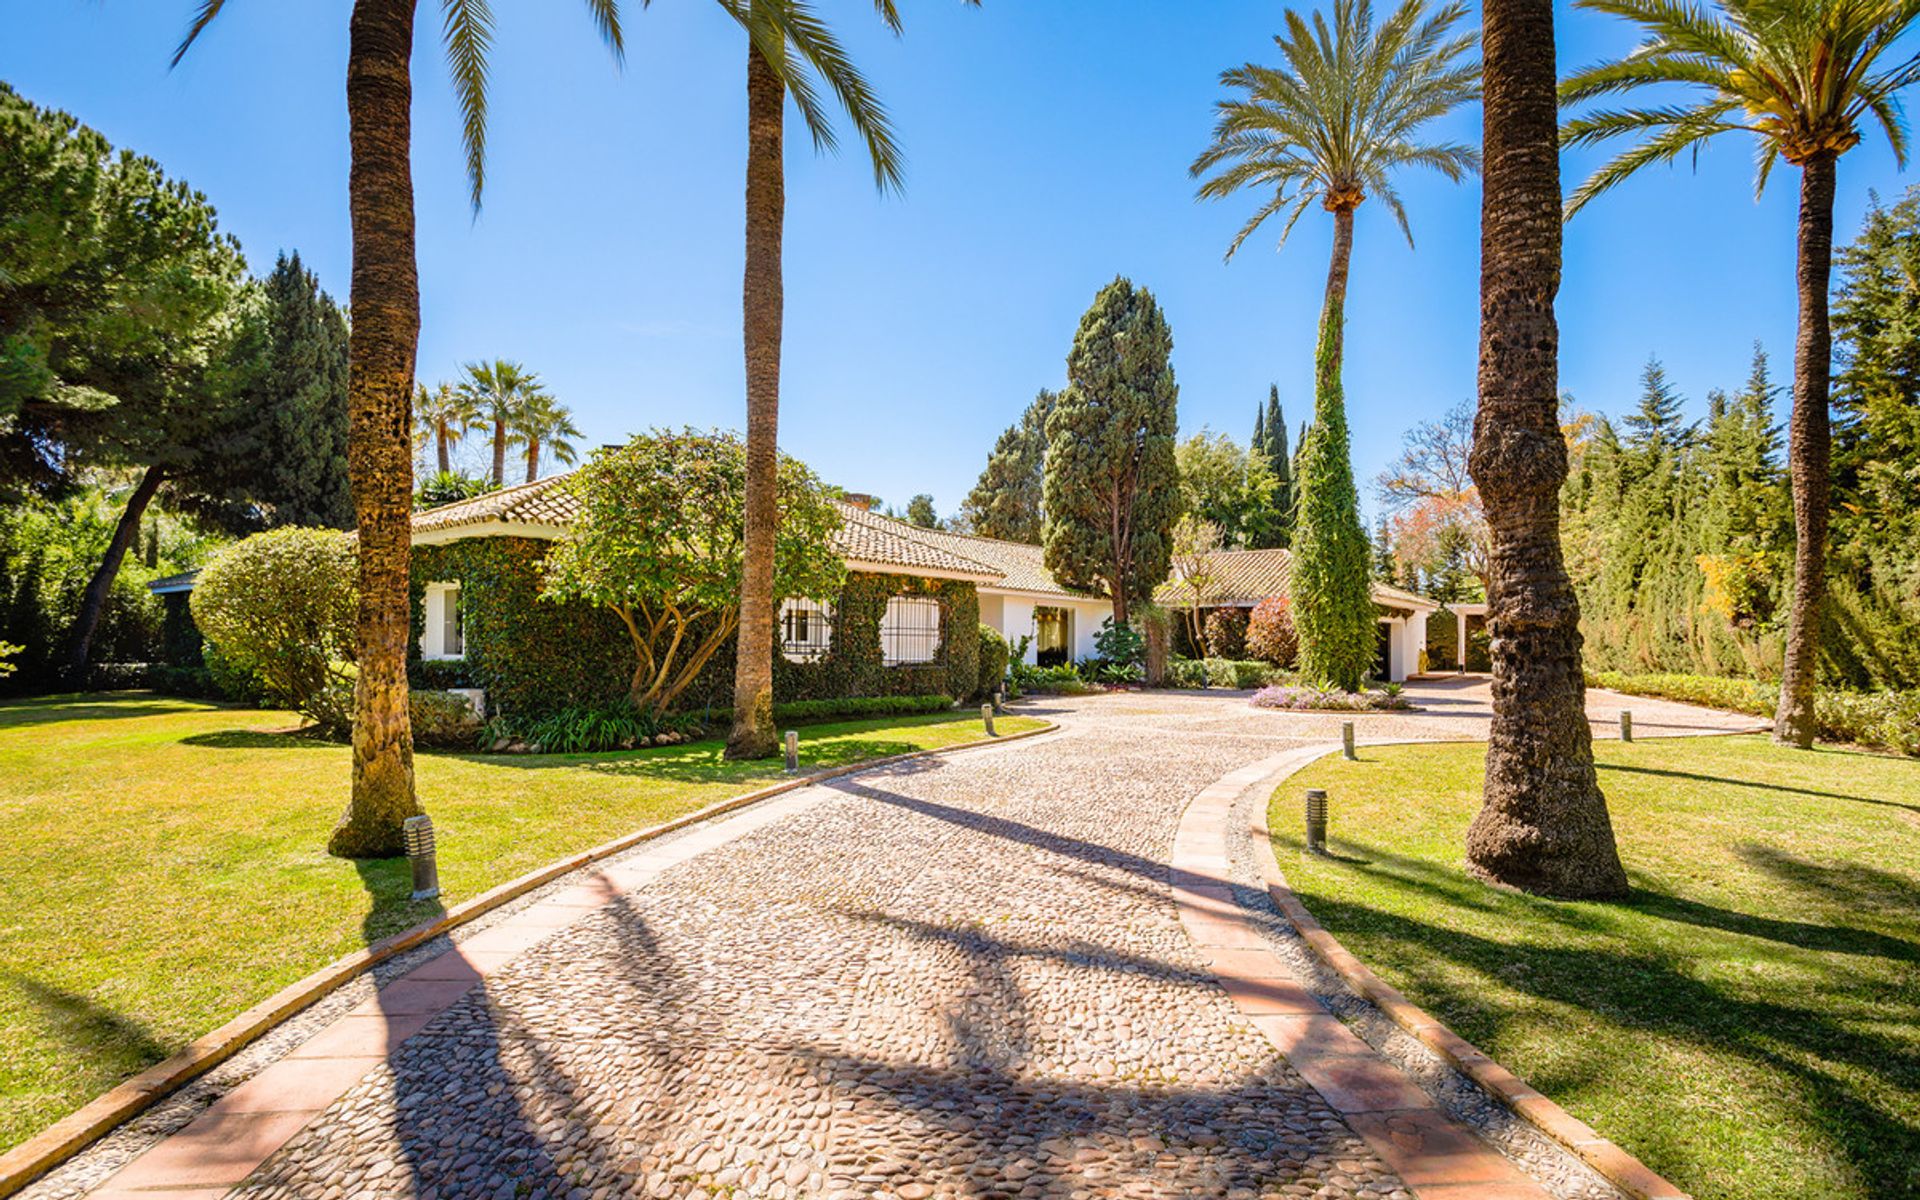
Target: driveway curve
column 961, row 976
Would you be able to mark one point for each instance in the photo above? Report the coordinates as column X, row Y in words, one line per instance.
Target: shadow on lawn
column 44, row 711
column 1752, row 783
column 262, row 739
column 698, row 762
column 1795, row 1034
column 90, row 1027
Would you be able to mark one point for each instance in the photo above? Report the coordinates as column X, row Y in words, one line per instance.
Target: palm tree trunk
column 386, row 332
column 1808, row 448
column 1543, row 825
column 445, row 450
column 533, row 459
column 1333, row 310
column 499, row 452
column 753, row 735
column 94, row 600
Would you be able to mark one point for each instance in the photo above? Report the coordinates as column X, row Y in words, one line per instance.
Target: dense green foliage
column 1873, row 569
column 1007, row 502
column 49, row 547
column 1332, row 600
column 283, row 458
column 1112, row 484
column 994, row 655
column 657, row 542
column 1229, row 487
column 280, row 606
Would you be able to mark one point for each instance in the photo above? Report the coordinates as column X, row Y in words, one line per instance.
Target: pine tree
column 1008, row 500
column 1112, row 486
column 1654, row 430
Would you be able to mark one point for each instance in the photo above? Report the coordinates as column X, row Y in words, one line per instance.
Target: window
column 910, row 631
column 453, row 642
column 806, row 630
column 1052, row 636
column 442, row 637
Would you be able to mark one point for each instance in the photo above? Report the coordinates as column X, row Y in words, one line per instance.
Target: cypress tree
column 1332, row 602
column 1112, row 484
column 1259, row 443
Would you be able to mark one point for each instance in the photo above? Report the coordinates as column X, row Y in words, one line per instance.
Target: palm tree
column 544, row 424
column 1345, row 112
column 442, row 415
column 501, row 393
column 1800, row 76
column 790, row 51
column 380, row 380
column 1543, row 824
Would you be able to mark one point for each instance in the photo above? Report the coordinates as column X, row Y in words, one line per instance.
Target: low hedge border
column 1882, row 720
column 67, row 1137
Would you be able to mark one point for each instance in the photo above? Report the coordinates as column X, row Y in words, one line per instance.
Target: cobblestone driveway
column 954, row 977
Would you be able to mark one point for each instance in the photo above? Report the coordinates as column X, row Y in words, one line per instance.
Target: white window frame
column 440, row 599
column 817, row 640
column 909, row 629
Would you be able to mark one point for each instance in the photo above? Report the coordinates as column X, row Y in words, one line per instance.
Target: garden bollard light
column 1346, row 741
column 1626, row 725
column 793, row 751
column 986, row 714
column 1316, row 821
column 999, row 702
column 417, row 834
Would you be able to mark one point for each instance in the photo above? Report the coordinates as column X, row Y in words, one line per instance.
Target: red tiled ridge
column 370, row 1030
column 1622, row 1169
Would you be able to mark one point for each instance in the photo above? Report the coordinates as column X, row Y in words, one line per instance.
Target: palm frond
column 817, row 44
column 469, row 37
column 202, row 17
column 606, row 20
column 1344, row 108
column 1672, row 141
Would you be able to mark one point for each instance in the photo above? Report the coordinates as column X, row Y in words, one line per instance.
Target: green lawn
column 1748, row 1024
column 164, row 865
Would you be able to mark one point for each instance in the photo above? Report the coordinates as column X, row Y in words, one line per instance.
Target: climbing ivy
column 536, row 657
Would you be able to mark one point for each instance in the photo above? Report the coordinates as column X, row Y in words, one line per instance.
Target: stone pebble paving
column 956, row 977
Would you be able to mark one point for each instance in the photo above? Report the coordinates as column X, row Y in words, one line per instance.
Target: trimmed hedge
column 800, row 712
column 994, row 655
column 1888, row 720
column 1240, row 673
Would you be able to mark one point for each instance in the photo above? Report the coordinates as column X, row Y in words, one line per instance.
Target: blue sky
column 1047, row 145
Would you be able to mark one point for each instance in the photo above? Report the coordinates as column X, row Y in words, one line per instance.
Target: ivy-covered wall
column 534, row 656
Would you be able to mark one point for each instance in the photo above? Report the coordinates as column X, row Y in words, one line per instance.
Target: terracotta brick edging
column 1610, row 1160
column 70, row 1135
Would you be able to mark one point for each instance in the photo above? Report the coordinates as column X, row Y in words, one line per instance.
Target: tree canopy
column 1008, row 501
column 657, row 542
column 1112, row 484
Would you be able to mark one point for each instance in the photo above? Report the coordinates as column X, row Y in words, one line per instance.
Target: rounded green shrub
column 994, row 653
column 279, row 606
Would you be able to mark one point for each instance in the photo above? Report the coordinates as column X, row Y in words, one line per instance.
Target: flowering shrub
column 1270, row 632
column 1318, row 699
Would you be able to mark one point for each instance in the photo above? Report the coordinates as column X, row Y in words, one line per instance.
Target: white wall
column 433, row 636
column 1013, row 617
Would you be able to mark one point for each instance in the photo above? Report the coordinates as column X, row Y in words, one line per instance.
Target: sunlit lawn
column 163, row 863
column 1748, row 1023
